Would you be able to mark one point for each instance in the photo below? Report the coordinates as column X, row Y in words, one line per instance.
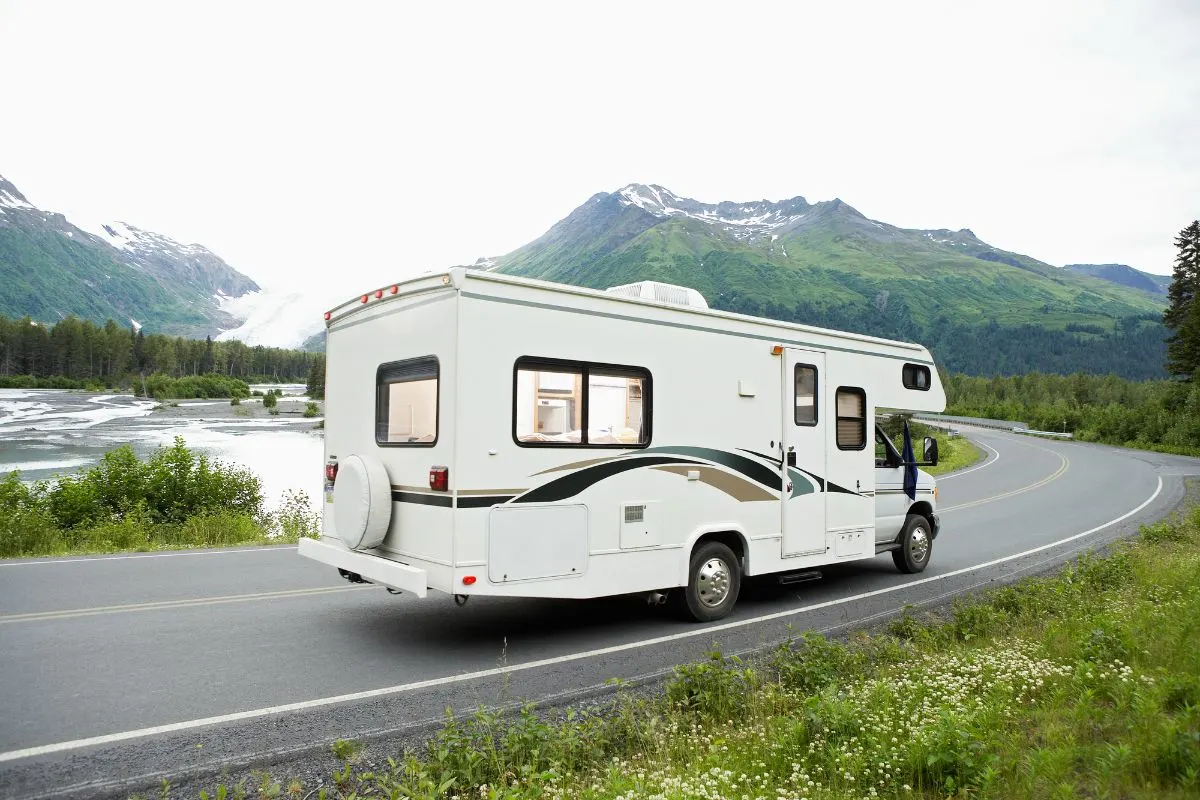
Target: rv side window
column 915, row 376
column 851, row 418
column 806, row 394
column 566, row 403
column 406, row 402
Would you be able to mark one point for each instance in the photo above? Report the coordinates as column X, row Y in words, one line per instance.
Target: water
column 47, row 432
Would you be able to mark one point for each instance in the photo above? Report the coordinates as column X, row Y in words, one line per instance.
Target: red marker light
column 378, row 293
column 439, row 479
column 364, row 298
column 328, row 314
column 395, row 289
column 468, row 580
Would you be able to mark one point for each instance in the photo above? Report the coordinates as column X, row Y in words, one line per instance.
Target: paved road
column 115, row 671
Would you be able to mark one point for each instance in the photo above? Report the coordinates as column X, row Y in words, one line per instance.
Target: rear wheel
column 714, row 580
column 916, row 545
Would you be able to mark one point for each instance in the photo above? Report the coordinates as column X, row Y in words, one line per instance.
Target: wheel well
column 731, row 539
column 922, row 508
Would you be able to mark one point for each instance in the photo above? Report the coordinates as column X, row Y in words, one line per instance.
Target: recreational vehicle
column 492, row 435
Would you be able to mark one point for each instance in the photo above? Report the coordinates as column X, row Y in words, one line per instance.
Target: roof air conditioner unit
column 660, row 292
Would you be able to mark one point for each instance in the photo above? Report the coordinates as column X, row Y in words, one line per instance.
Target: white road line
column 1062, row 470
column 86, row 560
column 173, row 727
column 988, row 463
column 161, row 605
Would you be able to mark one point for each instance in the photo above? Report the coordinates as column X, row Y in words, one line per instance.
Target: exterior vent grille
column 635, row 514
column 661, row 293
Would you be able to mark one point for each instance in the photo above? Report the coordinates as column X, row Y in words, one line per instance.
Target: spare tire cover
column 362, row 502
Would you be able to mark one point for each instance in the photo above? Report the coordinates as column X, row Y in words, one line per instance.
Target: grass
column 1085, row 683
column 955, row 454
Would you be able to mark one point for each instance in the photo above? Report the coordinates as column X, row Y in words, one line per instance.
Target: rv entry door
column 803, row 452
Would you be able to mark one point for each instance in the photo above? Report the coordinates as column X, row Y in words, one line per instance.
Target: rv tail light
column 439, row 479
column 331, row 470
column 468, row 580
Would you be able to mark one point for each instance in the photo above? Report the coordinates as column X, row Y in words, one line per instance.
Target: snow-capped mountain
column 739, row 220
column 51, row 268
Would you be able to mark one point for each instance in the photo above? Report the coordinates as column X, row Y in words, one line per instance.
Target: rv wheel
column 916, row 545
column 714, row 579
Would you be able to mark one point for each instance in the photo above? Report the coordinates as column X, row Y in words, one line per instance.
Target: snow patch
column 275, row 319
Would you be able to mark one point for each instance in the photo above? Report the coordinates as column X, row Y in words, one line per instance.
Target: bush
column 295, row 517
column 311, row 409
column 270, row 400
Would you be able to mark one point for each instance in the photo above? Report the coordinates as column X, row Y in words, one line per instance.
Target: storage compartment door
column 531, row 542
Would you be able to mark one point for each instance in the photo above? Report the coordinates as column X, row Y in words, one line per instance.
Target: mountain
column 52, row 268
column 983, row 309
column 1124, row 276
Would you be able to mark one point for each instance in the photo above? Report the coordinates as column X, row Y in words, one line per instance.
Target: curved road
column 118, row 671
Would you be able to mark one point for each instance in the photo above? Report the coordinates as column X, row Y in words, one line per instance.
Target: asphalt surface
column 118, row 671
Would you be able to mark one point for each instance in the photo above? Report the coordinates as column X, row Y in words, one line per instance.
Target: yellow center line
column 1066, row 463
column 165, row 604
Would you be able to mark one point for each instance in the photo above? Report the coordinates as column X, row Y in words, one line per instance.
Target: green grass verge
column 955, row 454
column 1082, row 684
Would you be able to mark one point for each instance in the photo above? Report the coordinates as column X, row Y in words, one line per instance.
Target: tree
column 1182, row 316
column 316, row 378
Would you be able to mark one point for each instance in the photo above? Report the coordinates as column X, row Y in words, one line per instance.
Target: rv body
column 491, row 435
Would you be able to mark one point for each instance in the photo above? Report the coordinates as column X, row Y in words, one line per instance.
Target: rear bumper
column 383, row 571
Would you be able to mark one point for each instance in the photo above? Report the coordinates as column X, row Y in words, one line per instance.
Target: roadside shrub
column 311, row 409
column 217, row 529
column 270, row 400
column 26, row 527
column 295, row 517
column 181, row 484
column 715, row 687
column 813, row 665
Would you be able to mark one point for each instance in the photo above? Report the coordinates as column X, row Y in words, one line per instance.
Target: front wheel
column 916, row 545
column 714, row 580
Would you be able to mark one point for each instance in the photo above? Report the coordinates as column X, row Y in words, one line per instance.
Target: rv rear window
column 915, row 376
column 579, row 404
column 406, row 403
column 851, row 418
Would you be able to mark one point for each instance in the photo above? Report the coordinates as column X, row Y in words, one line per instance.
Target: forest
column 76, row 353
column 1153, row 415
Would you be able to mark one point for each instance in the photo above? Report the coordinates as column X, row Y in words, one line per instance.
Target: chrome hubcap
column 713, row 582
column 919, row 545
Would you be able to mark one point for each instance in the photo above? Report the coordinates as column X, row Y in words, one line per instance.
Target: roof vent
column 660, row 292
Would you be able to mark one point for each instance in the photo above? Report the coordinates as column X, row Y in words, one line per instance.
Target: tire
column 714, row 580
column 916, row 545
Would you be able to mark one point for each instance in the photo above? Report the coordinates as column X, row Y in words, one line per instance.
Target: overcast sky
column 338, row 146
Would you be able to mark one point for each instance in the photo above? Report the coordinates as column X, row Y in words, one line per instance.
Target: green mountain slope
column 1125, row 276
column 986, row 310
column 51, row 269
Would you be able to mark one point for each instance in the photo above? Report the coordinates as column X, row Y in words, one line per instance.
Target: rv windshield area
column 886, row 454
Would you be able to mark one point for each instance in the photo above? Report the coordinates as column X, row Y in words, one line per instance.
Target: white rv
column 491, row 435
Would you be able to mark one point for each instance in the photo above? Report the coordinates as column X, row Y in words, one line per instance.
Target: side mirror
column 931, row 454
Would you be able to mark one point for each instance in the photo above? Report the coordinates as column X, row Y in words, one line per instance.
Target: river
column 47, row 432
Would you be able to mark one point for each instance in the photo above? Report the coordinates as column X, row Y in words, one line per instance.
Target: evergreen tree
column 1182, row 316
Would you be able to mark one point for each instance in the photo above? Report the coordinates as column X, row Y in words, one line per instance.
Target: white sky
column 338, row 146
